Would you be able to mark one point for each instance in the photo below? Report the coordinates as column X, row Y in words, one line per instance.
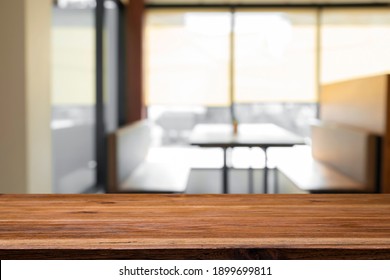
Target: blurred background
column 177, row 64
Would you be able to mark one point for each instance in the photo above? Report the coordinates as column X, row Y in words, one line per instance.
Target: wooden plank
column 197, row 254
column 194, row 225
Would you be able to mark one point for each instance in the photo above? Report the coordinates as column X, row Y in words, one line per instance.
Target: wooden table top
column 252, row 135
column 194, row 221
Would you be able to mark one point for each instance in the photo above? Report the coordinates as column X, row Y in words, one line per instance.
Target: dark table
column 248, row 135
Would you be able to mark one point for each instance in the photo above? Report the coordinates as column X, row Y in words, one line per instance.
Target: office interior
column 105, row 96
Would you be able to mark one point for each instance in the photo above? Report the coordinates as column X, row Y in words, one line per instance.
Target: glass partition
column 73, row 97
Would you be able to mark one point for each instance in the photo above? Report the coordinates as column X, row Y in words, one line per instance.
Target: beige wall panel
column 12, row 106
column 38, row 49
column 360, row 103
column 25, row 149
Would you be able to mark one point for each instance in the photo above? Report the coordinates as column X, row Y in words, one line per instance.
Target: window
column 195, row 66
column 74, row 120
column 275, row 56
column 355, row 43
column 280, row 58
column 187, row 58
column 73, row 99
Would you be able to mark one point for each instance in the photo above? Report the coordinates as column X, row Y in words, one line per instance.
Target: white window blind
column 187, row 54
column 275, row 56
column 186, row 58
column 73, row 65
column 355, row 43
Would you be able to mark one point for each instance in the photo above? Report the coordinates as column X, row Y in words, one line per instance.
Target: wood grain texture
column 194, row 226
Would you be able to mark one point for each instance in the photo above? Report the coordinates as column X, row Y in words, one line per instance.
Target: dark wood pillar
column 385, row 186
column 134, row 29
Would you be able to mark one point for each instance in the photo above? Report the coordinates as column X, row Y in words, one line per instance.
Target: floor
column 206, row 164
column 206, row 173
column 210, row 181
